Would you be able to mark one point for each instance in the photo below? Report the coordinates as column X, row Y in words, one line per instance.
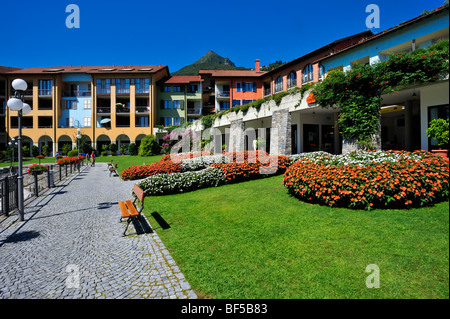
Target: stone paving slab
column 71, row 246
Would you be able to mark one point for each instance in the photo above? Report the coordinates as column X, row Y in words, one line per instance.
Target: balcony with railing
column 123, row 91
column 78, row 93
column 104, row 110
column 142, row 91
column 45, row 92
column 103, row 91
column 223, row 94
column 194, row 111
column 142, row 109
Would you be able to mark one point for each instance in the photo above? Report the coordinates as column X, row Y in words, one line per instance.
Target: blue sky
column 177, row 33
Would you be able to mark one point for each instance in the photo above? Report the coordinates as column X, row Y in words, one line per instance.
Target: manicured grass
column 253, row 240
column 125, row 161
column 31, row 160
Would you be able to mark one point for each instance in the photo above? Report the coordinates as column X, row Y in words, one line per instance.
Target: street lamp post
column 16, row 104
column 78, row 146
column 12, row 144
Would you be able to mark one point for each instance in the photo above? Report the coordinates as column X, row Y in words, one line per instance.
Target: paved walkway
column 71, row 246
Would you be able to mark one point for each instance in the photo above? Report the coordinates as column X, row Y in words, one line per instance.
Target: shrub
column 72, row 153
column 113, row 148
column 149, row 146
column 34, row 150
column 46, row 150
column 438, row 130
column 66, row 148
column 400, row 180
column 133, row 149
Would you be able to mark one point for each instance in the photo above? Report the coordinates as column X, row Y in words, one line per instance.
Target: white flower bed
column 361, row 158
column 162, row 184
column 202, row 162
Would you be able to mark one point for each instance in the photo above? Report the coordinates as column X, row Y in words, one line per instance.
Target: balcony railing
column 142, row 91
column 142, row 109
column 194, row 111
column 122, row 91
column 104, row 110
column 46, row 92
column 122, row 110
column 79, row 93
column 223, row 94
column 103, row 91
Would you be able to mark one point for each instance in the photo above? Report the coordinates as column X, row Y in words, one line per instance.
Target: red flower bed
column 248, row 165
column 69, row 160
column 139, row 172
column 402, row 184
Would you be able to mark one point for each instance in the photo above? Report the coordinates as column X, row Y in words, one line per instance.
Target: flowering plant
column 68, row 161
column 37, row 168
column 400, row 180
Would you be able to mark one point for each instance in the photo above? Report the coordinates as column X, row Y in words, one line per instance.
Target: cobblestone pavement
column 71, row 246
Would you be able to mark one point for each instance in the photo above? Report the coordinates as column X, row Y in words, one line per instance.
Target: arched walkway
column 122, row 141
column 63, row 140
column 45, row 145
column 102, row 140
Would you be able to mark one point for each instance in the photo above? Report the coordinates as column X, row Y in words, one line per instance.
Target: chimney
column 257, row 65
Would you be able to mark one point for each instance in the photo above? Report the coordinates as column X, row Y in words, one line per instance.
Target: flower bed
column 163, row 184
column 69, row 160
column 366, row 180
column 143, row 171
column 221, row 170
column 250, row 169
column 179, row 157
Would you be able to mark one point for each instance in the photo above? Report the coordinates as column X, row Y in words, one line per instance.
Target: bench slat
column 124, row 210
column 132, row 209
column 139, row 193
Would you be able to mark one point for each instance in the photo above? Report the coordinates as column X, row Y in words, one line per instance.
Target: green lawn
column 122, row 161
column 253, row 240
column 125, row 161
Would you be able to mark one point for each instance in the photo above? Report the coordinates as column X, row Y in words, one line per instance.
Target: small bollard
column 50, row 177
column 36, row 186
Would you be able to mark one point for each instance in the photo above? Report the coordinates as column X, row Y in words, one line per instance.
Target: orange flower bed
column 248, row 165
column 142, row 171
column 406, row 183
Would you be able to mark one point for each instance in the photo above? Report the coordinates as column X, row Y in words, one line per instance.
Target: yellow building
column 110, row 104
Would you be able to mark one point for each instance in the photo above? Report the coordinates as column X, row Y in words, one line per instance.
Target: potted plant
column 438, row 130
column 37, row 169
column 39, row 157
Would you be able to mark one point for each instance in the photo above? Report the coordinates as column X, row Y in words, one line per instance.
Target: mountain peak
column 210, row 61
column 213, row 57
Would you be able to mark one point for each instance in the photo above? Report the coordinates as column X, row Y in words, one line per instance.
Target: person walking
column 93, row 158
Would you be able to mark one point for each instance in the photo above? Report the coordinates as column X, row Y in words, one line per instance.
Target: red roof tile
column 232, row 73
column 92, row 69
column 184, row 79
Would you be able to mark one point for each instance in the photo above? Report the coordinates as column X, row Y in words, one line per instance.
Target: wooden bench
column 128, row 208
column 112, row 169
